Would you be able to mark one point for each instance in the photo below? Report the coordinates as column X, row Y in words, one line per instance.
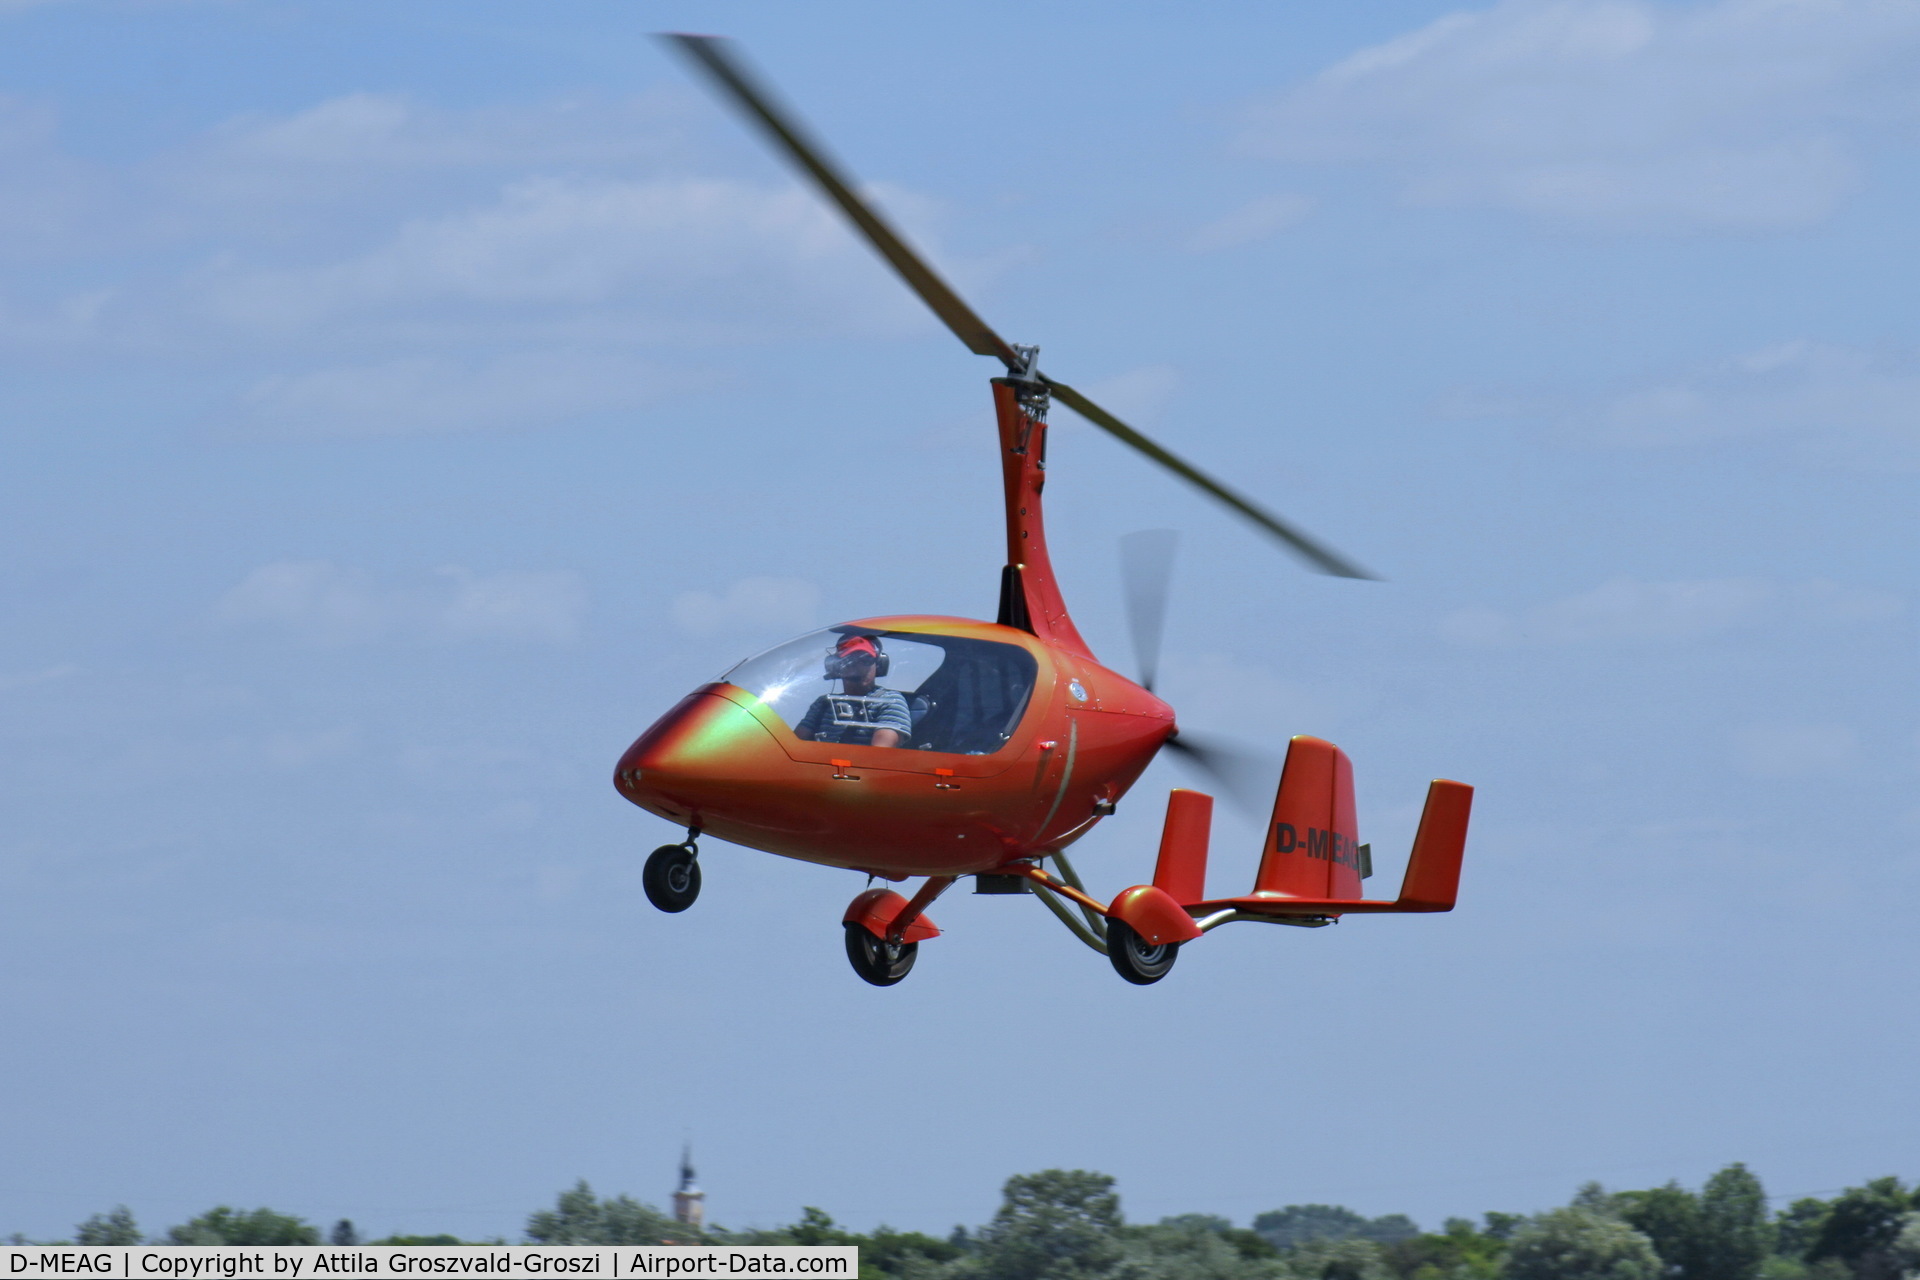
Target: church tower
column 689, row 1202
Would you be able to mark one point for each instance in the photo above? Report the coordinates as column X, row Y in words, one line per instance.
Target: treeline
column 1066, row 1225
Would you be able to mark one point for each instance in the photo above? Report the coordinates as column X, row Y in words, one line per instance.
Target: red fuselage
column 723, row 761
column 732, row 765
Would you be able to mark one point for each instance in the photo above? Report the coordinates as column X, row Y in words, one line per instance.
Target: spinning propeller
column 1146, row 574
column 728, row 71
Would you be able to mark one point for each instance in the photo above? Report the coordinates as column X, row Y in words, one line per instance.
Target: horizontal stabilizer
column 1433, row 872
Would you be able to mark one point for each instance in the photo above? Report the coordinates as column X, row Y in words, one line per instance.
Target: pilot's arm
column 808, row 727
column 894, row 723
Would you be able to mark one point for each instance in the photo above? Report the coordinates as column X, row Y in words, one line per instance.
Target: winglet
column 1433, row 872
column 1181, row 870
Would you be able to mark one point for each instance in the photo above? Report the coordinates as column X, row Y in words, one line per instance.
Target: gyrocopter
column 903, row 747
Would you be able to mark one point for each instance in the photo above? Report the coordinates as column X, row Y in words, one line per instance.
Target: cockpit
column 910, row 690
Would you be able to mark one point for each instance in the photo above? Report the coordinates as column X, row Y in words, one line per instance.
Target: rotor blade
column 719, row 59
column 1248, row 779
column 1322, row 558
column 1146, row 572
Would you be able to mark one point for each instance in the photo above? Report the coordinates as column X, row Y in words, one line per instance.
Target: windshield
column 913, row 691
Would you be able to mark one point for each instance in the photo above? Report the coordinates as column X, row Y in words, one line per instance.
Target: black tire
column 879, row 962
column 1134, row 958
column 672, row 877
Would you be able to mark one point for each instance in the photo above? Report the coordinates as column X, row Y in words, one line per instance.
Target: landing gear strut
column 672, row 874
column 876, row 960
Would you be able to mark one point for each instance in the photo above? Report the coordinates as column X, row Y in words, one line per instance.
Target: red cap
column 857, row 644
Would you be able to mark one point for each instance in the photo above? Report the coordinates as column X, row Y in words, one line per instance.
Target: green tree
column 906, row 1255
column 1594, row 1198
column 1782, row 1268
column 343, row 1234
column 1297, row 1224
column 1194, row 1246
column 884, row 1255
column 1799, row 1225
column 1457, row 1253
column 1723, row 1233
column 117, row 1227
column 580, row 1217
column 816, row 1226
column 222, row 1225
column 1906, row 1245
column 1206, row 1226
column 1861, row 1227
column 1736, row 1236
column 1669, row 1217
column 1059, row 1224
column 1577, row 1243
column 1348, row 1259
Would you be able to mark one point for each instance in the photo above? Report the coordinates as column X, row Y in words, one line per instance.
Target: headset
column 840, row 664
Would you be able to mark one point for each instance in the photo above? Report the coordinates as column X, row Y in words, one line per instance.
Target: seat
column 919, row 707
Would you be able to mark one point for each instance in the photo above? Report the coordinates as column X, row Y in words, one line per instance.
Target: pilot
column 862, row 713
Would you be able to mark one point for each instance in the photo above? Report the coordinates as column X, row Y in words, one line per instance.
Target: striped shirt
column 853, row 717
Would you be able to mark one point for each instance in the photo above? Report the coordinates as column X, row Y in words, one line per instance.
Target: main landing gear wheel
column 1134, row 958
column 876, row 960
column 672, row 877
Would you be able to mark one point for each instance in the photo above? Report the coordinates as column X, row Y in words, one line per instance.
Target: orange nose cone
column 698, row 761
column 685, row 752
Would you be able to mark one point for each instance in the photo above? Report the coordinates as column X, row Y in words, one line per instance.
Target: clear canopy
column 952, row 693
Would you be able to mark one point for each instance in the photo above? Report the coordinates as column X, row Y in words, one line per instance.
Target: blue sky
column 405, row 405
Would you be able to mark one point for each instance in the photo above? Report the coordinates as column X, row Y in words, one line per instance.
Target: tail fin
column 1313, row 845
column 1433, row 872
column 1181, row 870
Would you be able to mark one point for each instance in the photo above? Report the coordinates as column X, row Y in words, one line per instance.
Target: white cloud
column 1832, row 403
column 749, row 604
column 321, row 603
column 342, row 165
column 436, row 393
column 373, row 224
column 390, row 131
column 683, row 252
column 1735, row 114
column 1627, row 611
column 1798, row 751
column 1255, row 220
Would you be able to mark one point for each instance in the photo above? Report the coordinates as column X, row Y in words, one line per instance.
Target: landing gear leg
column 672, row 874
column 1136, row 960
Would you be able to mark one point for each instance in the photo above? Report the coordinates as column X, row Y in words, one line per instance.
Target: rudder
column 1313, row 844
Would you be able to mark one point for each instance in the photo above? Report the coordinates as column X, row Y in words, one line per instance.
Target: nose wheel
column 876, row 960
column 672, row 876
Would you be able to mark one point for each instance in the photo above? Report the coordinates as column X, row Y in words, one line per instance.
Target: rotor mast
column 1029, row 593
